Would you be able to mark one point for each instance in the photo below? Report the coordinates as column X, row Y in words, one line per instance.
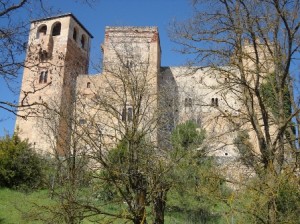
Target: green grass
column 17, row 207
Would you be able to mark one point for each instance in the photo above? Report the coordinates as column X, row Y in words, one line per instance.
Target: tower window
column 56, row 29
column 41, row 31
column 127, row 114
column 88, row 85
column 75, row 34
column 215, row 102
column 188, row 102
column 82, row 41
column 43, row 77
column 43, row 55
column 82, row 121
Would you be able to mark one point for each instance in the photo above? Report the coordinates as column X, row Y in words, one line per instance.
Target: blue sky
column 103, row 13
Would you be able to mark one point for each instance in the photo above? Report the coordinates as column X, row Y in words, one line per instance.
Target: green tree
column 187, row 136
column 195, row 180
column 20, row 165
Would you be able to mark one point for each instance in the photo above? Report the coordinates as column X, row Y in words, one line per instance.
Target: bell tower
column 57, row 52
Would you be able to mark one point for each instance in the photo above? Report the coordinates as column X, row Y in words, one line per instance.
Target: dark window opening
column 124, row 114
column 214, row 102
column 43, row 77
column 75, row 34
column 88, row 85
column 129, row 64
column 42, row 31
column 130, row 114
column 188, row 102
column 82, row 121
column 82, row 41
column 127, row 114
column 43, row 55
column 56, row 29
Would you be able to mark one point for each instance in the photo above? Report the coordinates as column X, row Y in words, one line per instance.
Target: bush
column 20, row 165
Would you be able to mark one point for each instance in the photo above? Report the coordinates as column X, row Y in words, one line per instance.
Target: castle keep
column 65, row 98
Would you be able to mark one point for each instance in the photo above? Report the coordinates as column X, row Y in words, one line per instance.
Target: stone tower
column 57, row 52
column 131, row 63
column 135, row 52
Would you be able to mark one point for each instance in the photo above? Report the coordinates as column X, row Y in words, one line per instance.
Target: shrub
column 20, row 165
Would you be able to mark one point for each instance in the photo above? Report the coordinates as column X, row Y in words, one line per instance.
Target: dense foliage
column 195, row 180
column 187, row 136
column 20, row 166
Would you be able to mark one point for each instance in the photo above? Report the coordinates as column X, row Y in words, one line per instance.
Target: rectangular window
column 82, row 121
column 130, row 115
column 188, row 102
column 127, row 114
column 43, row 77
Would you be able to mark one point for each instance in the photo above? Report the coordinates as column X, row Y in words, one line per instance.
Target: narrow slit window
column 75, row 34
column 130, row 115
column 124, row 114
column 190, row 102
column 82, row 41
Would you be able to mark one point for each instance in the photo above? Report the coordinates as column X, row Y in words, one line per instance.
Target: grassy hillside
column 17, row 207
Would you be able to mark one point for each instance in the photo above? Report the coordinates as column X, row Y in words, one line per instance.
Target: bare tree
column 120, row 117
column 251, row 47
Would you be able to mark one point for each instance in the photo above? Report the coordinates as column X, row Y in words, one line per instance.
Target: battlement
column 132, row 33
column 131, row 29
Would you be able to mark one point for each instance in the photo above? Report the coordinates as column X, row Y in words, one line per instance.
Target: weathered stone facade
column 58, row 50
column 55, row 81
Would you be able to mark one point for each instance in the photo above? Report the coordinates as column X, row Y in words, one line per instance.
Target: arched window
column 43, row 77
column 215, row 102
column 56, row 29
column 82, row 41
column 42, row 30
column 75, row 34
column 88, row 85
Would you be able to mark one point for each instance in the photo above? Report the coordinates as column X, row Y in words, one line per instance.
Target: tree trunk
column 273, row 186
column 159, row 205
column 272, row 214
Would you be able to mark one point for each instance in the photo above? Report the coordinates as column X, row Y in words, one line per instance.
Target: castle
column 133, row 89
